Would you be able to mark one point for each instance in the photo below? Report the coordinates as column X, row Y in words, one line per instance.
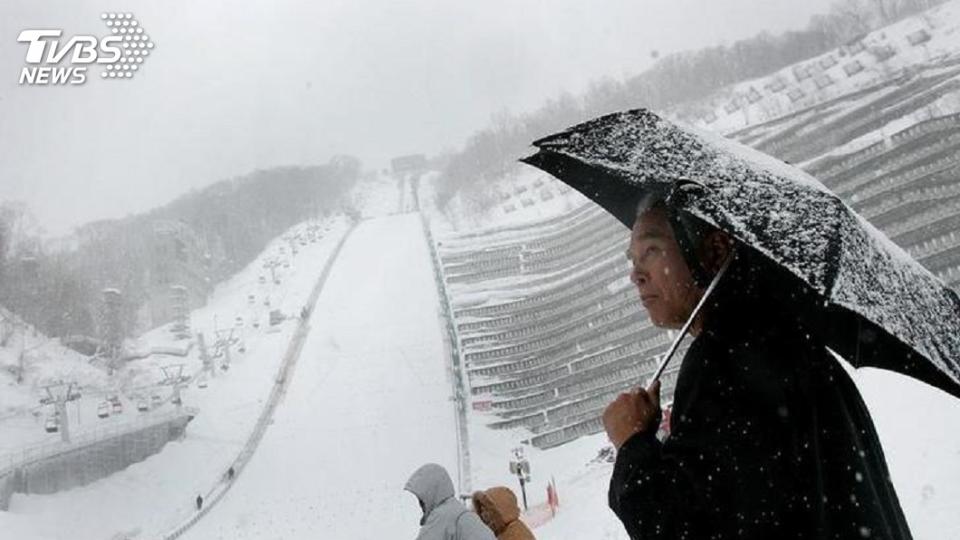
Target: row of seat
column 577, row 345
column 466, row 242
column 942, row 259
column 552, row 357
column 850, row 161
column 556, row 318
column 893, row 204
column 587, row 423
column 505, row 242
column 558, row 339
column 571, row 284
column 546, row 311
column 897, row 166
column 552, row 316
column 935, row 245
column 540, row 272
column 924, row 220
column 574, row 363
column 528, row 260
column 911, row 94
column 612, row 356
column 939, row 169
column 575, row 385
column 573, row 410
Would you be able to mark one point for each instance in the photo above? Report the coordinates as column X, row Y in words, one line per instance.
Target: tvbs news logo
column 54, row 59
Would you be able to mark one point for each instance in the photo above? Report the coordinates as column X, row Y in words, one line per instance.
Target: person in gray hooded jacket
column 444, row 517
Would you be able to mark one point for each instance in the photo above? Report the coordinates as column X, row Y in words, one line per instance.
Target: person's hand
column 631, row 413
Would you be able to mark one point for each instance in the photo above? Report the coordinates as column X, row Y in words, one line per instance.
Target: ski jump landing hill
column 371, row 401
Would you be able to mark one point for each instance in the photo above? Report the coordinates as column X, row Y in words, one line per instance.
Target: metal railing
column 459, row 373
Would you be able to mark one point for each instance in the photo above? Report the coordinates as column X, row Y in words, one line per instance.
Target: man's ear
column 717, row 246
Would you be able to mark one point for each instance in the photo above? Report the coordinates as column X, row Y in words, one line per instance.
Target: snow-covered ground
column 919, row 428
column 369, row 403
column 150, row 497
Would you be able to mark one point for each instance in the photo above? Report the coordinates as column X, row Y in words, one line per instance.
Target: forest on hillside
column 56, row 286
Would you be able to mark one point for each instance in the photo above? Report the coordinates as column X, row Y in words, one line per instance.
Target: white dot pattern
column 135, row 45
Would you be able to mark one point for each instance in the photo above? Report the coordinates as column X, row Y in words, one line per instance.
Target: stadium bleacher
column 550, row 328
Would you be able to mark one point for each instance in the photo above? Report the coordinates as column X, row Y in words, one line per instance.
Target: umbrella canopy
column 881, row 307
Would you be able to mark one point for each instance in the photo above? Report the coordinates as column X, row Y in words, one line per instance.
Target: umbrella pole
column 686, row 326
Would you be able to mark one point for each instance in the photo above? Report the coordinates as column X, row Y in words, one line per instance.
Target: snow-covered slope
column 369, row 404
column 150, row 497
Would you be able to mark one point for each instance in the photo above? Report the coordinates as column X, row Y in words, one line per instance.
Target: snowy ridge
column 874, row 58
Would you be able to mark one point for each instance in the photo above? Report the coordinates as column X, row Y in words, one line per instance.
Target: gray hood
column 432, row 485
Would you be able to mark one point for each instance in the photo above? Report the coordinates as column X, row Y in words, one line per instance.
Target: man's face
column 666, row 286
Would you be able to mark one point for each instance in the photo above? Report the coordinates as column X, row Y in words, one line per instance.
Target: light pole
column 521, row 467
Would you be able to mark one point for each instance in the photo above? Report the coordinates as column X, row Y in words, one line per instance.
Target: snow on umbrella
column 884, row 308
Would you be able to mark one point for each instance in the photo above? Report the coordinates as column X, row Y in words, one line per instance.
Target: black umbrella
column 883, row 308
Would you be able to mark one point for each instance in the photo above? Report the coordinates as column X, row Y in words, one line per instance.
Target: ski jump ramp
column 369, row 402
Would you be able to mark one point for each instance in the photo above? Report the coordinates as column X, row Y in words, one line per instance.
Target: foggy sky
column 230, row 88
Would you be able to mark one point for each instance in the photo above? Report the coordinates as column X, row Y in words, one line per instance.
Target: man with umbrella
column 766, row 269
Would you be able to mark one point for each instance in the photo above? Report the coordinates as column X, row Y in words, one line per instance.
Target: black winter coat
column 769, row 435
